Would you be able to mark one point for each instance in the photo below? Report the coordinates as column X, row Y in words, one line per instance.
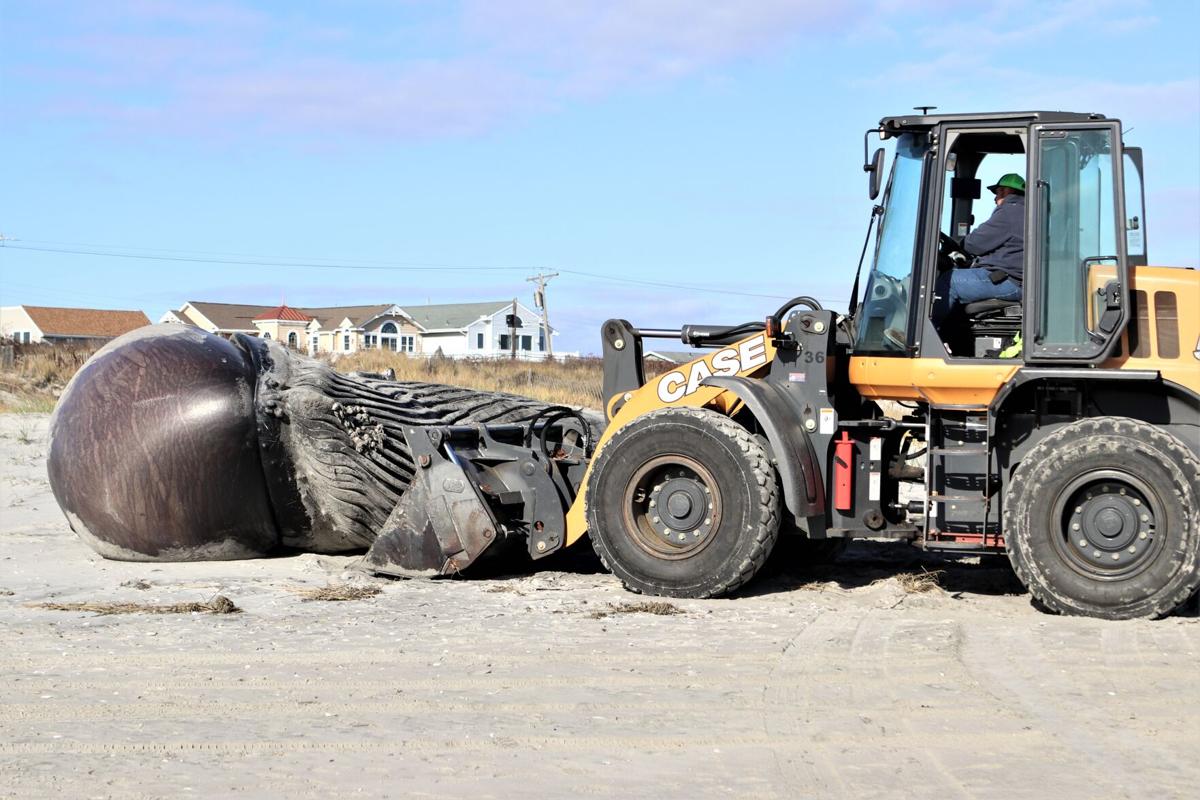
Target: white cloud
column 169, row 65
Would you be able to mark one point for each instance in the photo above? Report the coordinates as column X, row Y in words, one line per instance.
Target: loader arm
column 683, row 387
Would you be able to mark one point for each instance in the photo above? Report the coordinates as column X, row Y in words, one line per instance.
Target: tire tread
column 767, row 527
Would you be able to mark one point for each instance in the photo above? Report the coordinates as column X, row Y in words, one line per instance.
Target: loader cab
column 1079, row 237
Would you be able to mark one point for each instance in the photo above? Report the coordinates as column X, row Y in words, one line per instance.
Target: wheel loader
column 1061, row 429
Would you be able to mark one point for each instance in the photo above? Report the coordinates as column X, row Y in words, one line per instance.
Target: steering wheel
column 951, row 254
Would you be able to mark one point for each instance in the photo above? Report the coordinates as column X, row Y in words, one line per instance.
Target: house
column 31, row 324
column 478, row 330
column 458, row 330
column 337, row 329
column 347, row 329
column 223, row 319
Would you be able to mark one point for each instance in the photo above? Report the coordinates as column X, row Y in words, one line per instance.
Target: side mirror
column 875, row 171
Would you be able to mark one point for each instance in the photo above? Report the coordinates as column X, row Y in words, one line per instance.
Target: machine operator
column 998, row 246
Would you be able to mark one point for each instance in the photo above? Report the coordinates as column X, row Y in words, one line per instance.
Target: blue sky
column 366, row 147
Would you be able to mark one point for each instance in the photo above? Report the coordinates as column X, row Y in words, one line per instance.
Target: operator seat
column 991, row 308
column 994, row 323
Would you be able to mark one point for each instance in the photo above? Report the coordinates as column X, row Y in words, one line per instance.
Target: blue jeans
column 963, row 286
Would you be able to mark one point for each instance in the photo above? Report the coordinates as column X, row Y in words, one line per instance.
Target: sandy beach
column 822, row 683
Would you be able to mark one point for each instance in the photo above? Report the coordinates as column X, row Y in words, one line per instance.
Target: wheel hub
column 680, row 507
column 1110, row 524
column 673, row 506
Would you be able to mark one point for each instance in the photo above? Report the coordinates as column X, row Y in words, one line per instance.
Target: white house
column 478, row 330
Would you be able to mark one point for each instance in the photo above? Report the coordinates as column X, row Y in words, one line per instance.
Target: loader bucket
column 440, row 526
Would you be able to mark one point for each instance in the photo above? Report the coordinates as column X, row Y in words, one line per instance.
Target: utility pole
column 539, row 300
column 512, row 332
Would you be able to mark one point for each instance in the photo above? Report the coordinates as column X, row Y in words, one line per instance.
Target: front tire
column 1102, row 519
column 683, row 502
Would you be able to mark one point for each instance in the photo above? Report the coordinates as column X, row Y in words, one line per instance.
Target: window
column 976, row 160
column 504, row 341
column 542, row 341
column 526, row 342
column 479, row 341
column 1077, row 236
column 1135, row 217
column 266, row 335
column 314, row 345
column 346, row 343
column 387, row 336
column 293, row 340
column 884, row 326
column 407, row 343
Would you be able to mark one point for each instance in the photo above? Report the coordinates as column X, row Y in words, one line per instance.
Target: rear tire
column 683, row 502
column 1102, row 519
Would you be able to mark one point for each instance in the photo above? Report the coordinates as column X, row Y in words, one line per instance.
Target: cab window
column 883, row 326
column 1077, row 239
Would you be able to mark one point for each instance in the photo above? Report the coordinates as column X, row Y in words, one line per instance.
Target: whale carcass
column 172, row 444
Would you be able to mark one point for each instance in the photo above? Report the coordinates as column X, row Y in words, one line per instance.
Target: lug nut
column 1116, row 556
column 1142, row 535
column 1132, row 548
column 1137, row 502
column 1083, row 542
column 1145, row 517
column 1075, row 526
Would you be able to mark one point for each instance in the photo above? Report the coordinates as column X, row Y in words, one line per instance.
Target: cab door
column 1077, row 274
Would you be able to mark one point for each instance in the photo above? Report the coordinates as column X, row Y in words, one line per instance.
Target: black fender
column 1138, row 394
column 793, row 451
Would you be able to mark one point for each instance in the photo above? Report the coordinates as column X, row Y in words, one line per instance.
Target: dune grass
column 574, row 381
column 39, row 374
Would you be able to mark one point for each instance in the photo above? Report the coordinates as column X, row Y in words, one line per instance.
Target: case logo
column 728, row 361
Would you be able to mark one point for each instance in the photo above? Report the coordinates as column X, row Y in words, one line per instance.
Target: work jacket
column 999, row 243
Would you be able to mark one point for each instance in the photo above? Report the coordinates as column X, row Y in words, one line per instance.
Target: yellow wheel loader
column 1061, row 428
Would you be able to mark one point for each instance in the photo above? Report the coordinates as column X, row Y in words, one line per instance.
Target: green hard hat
column 1010, row 181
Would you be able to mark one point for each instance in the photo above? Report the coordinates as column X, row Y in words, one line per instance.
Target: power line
column 263, row 263
column 382, row 267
